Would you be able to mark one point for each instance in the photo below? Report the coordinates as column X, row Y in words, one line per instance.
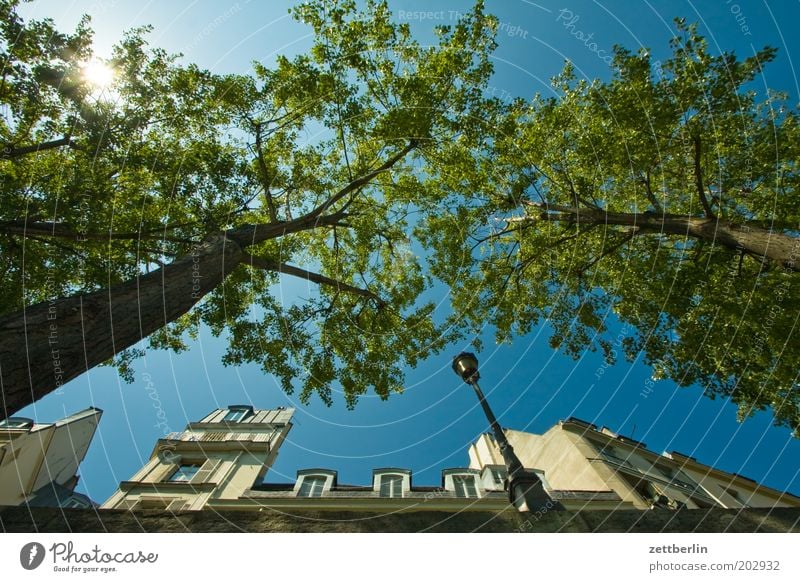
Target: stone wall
column 44, row 520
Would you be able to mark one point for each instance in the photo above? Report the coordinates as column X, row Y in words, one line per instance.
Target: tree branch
column 607, row 251
column 650, row 196
column 265, row 181
column 10, row 152
column 270, row 265
column 66, row 231
column 363, row 180
column 698, row 177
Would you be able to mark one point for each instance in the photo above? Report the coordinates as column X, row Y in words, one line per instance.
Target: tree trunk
column 48, row 344
column 775, row 246
column 749, row 237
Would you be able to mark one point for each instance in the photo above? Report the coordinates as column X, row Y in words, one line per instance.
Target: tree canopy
column 178, row 197
column 665, row 198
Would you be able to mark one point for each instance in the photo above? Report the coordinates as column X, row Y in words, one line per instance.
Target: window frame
column 328, row 481
column 405, row 481
column 391, row 483
column 171, row 476
column 312, row 486
column 242, row 412
column 611, row 453
column 738, row 496
column 461, row 486
column 16, row 423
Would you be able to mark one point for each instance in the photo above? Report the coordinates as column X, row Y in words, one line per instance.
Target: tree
column 667, row 198
column 180, row 201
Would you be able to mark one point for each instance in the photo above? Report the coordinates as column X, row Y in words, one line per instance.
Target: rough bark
column 10, row 152
column 748, row 237
column 50, row 343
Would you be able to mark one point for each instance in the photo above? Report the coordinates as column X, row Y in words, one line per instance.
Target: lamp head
column 465, row 365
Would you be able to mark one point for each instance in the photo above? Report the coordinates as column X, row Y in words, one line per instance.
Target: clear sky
column 530, row 386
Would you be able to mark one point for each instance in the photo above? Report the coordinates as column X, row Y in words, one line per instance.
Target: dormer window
column 312, row 486
column 738, row 496
column 677, row 477
column 465, row 486
column 616, row 456
column 391, row 485
column 493, row 477
column 314, row 482
column 462, row 482
column 184, row 473
column 391, row 482
column 16, row 422
column 237, row 413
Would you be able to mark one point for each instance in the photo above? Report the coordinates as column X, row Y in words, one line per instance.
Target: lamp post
column 525, row 489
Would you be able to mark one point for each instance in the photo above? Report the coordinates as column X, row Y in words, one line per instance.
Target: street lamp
column 525, row 489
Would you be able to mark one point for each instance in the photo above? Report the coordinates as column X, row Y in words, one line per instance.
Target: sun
column 98, row 74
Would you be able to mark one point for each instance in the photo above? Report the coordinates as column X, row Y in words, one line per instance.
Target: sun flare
column 98, row 74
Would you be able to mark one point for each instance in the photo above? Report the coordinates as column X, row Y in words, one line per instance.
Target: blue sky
column 531, row 387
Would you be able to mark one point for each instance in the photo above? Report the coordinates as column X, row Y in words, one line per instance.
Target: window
column 616, row 456
column 499, row 476
column 738, row 496
column 75, row 503
column 235, row 414
column 184, row 473
column 391, row 485
column 465, row 486
column 677, row 477
column 16, row 422
column 311, row 486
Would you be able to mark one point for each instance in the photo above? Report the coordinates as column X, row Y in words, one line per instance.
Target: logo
column 166, row 454
column 31, row 555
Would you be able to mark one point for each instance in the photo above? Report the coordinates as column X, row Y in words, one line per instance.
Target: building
column 39, row 462
column 577, row 455
column 391, row 490
column 212, row 462
column 220, row 463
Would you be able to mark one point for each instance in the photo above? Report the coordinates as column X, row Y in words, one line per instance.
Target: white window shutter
column 205, row 472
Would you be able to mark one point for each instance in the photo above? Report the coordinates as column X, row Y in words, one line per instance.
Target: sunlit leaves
column 183, row 154
column 698, row 311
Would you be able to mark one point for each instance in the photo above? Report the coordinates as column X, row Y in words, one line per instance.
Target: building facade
column 39, row 462
column 211, row 462
column 221, row 462
column 392, row 490
column 577, row 455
